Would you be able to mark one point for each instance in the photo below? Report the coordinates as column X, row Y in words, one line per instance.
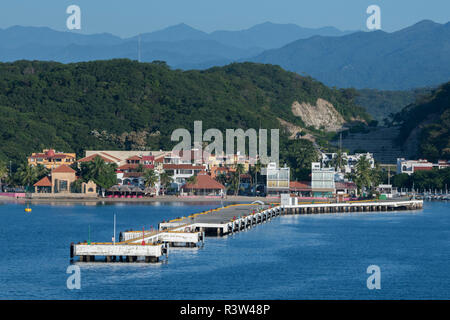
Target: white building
column 181, row 172
column 410, row 166
column 350, row 160
column 277, row 179
column 322, row 180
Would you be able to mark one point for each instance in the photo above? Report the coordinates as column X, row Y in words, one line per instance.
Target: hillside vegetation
column 429, row 119
column 383, row 105
column 121, row 104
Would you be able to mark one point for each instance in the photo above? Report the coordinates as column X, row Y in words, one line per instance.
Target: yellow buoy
column 27, row 209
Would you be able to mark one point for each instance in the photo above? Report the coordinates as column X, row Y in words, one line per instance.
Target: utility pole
column 340, row 151
column 389, row 174
column 139, row 48
column 114, row 236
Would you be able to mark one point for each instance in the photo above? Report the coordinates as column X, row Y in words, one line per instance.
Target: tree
column 401, row 180
column 256, row 169
column 3, row 173
column 222, row 178
column 102, row 173
column 234, row 182
column 363, row 176
column 140, row 168
column 41, row 171
column 150, row 178
column 339, row 161
column 239, row 170
column 26, row 175
column 165, row 179
column 192, row 179
column 299, row 154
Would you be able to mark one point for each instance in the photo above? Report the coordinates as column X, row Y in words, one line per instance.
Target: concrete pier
column 150, row 246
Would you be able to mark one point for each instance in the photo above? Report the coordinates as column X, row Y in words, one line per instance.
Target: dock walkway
column 189, row 231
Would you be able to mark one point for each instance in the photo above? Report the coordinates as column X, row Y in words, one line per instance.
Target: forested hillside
column 383, row 105
column 429, row 119
column 122, row 104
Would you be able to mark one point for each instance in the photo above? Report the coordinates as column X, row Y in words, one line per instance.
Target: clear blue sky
column 130, row 17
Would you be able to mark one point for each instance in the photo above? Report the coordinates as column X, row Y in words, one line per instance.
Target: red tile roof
column 204, row 181
column 44, row 182
column 128, row 166
column 300, row 185
column 63, row 169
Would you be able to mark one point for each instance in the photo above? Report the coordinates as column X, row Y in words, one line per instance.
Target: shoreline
column 243, row 199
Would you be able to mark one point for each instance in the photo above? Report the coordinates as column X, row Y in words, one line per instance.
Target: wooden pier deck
column 189, row 231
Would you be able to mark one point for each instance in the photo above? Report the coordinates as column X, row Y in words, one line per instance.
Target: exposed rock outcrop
column 295, row 132
column 321, row 116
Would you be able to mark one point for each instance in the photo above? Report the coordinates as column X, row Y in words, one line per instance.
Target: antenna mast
column 139, row 48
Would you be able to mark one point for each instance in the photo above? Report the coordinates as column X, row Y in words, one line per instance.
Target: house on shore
column 204, row 186
column 60, row 182
column 51, row 159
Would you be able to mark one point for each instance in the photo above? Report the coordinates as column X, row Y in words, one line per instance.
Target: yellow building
column 51, row 159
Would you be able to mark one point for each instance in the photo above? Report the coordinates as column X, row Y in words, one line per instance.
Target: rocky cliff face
column 323, row 115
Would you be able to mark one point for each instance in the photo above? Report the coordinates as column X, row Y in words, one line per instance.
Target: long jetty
column 190, row 231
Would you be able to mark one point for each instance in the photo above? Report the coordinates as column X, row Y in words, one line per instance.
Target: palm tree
column 102, row 173
column 222, row 178
column 3, row 174
column 339, row 161
column 150, row 178
column 165, row 179
column 140, row 168
column 363, row 176
column 239, row 170
column 256, row 169
column 234, row 181
column 41, row 171
column 26, row 175
column 192, row 180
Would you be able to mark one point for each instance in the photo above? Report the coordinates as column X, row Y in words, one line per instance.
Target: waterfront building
column 349, row 160
column 51, row 159
column 205, row 186
column 123, row 157
column 217, row 171
column 277, row 179
column 386, row 191
column 60, row 181
column 181, row 172
column 322, row 180
column 300, row 188
column 411, row 166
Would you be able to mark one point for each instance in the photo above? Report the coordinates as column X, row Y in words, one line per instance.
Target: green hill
column 383, row 105
column 122, row 104
column 428, row 122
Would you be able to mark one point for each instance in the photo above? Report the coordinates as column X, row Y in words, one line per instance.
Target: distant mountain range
column 416, row 56
column 181, row 46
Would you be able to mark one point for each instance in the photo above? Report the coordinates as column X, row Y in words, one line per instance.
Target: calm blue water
column 292, row 257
